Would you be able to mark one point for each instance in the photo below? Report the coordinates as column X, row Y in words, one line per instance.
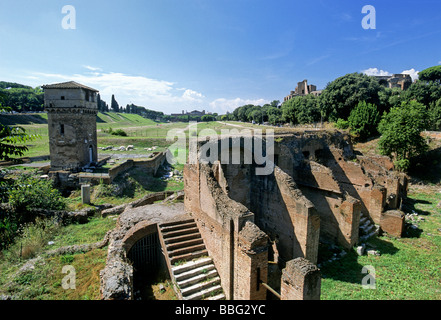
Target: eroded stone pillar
column 300, row 281
column 251, row 267
column 85, row 194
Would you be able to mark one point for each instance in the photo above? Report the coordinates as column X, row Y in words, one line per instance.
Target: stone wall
column 317, row 192
column 238, row 247
column 151, row 165
column 72, row 134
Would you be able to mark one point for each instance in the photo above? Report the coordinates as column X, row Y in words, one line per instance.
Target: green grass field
column 407, row 269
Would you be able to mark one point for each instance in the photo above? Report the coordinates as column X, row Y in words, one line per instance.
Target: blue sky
column 174, row 55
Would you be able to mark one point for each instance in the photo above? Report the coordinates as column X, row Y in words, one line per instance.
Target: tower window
column 63, row 98
column 62, row 129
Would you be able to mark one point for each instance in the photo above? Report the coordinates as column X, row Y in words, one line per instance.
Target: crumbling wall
column 220, row 220
column 288, row 217
column 300, row 281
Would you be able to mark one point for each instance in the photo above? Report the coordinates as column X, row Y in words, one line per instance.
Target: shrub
column 30, row 192
column 31, row 238
column 119, row 132
column 364, row 119
column 401, row 132
column 342, row 124
column 402, row 165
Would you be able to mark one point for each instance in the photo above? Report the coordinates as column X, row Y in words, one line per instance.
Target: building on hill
column 303, row 89
column 402, row 81
column 193, row 114
column 71, row 108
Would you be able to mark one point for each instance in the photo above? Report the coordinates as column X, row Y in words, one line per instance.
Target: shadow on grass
column 348, row 268
column 427, row 168
column 409, row 206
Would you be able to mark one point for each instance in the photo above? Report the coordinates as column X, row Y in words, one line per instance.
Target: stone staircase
column 367, row 228
column 193, row 271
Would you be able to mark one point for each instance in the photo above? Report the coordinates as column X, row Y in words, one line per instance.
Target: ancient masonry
column 245, row 236
column 320, row 192
column 303, row 89
column 72, row 110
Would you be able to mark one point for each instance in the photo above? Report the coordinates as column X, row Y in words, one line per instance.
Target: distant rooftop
column 68, row 85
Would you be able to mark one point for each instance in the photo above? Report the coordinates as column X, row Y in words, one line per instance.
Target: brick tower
column 72, row 110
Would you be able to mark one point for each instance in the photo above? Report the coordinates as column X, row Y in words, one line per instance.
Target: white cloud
column 92, row 68
column 150, row 93
column 223, row 105
column 412, row 72
column 192, row 95
column 376, row 72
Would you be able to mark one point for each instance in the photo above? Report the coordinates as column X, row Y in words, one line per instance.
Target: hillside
column 121, row 119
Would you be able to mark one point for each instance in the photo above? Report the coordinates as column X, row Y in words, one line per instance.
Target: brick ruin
column 318, row 192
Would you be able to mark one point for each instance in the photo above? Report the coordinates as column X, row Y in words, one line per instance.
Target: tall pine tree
column 114, row 105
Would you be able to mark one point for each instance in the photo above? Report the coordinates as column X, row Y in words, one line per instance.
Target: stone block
column 392, row 222
column 300, row 281
column 85, row 194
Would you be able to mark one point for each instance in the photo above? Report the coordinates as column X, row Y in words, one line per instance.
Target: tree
column 12, row 138
column 425, row 92
column 301, row 109
column 208, row 118
column 401, row 133
column 274, row 115
column 275, row 104
column 343, row 94
column 431, row 74
column 435, row 115
column 114, row 105
column 364, row 120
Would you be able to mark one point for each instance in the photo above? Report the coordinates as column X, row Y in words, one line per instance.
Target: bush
column 119, row 132
column 342, row 124
column 31, row 239
column 402, row 165
column 30, row 192
column 401, row 132
column 364, row 119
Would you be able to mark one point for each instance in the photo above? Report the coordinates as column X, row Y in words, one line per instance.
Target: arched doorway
column 145, row 253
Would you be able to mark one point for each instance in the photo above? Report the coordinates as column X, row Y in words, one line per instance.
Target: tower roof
column 68, row 85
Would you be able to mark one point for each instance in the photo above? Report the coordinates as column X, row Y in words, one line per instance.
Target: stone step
column 188, row 256
column 368, row 228
column 182, row 238
column 198, row 288
column 194, row 271
column 185, row 250
column 370, row 235
column 205, row 293
column 175, row 223
column 201, row 277
column 178, row 227
column 217, row 297
column 177, row 270
column 172, row 234
column 183, row 244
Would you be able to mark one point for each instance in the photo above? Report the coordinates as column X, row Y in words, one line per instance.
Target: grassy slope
column 142, row 132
